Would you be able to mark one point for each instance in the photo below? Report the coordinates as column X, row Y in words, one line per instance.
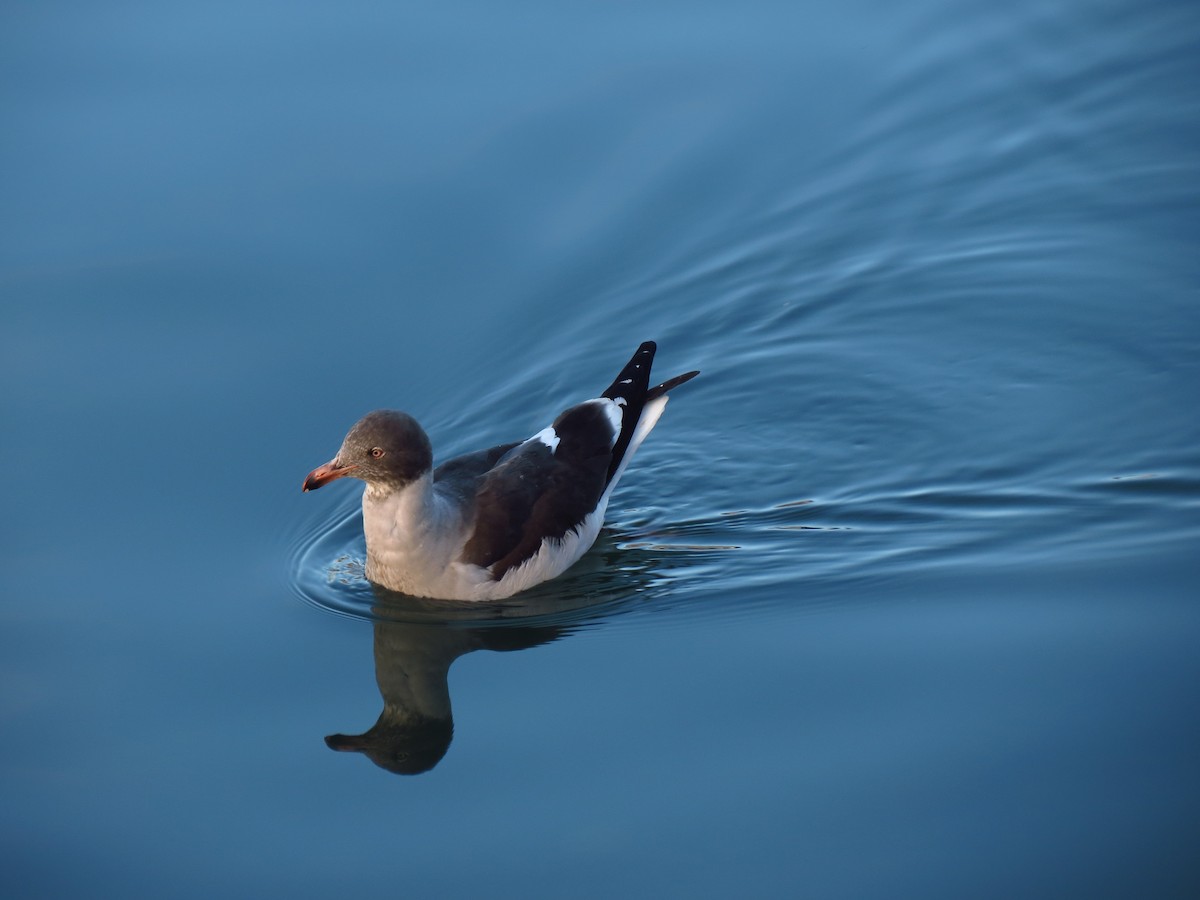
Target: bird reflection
column 416, row 642
column 412, row 667
column 413, row 663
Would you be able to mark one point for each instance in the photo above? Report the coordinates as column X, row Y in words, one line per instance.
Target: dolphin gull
column 488, row 524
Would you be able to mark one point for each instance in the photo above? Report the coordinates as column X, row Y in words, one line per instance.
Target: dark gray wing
column 460, row 476
column 525, row 493
column 536, row 492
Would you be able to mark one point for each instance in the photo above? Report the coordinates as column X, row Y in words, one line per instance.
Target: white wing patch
column 612, row 409
column 547, row 436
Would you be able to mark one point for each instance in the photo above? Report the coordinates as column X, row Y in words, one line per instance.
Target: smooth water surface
column 899, row 599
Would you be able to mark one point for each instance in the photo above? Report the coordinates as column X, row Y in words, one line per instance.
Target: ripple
column 794, row 553
column 623, row 570
column 906, row 366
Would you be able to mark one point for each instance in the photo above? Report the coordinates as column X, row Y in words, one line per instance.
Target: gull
column 488, row 524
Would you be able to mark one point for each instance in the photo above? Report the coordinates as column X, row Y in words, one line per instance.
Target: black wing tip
column 634, row 377
column 644, row 354
column 670, row 384
column 645, row 349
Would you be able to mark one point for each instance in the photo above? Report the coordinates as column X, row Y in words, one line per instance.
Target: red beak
column 325, row 474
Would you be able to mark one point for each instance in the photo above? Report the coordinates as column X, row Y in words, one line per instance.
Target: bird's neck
column 393, row 515
column 410, row 534
column 412, row 664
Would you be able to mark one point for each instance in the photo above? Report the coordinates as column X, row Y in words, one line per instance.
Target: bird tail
column 631, row 390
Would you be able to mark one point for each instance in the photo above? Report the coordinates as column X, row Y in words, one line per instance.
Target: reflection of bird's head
column 407, row 747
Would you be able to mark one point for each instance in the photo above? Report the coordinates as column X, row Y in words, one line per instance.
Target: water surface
column 898, row 600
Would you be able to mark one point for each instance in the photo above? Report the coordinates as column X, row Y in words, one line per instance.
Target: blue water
column 900, row 598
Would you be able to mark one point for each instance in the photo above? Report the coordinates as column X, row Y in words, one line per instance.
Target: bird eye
column 377, row 452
